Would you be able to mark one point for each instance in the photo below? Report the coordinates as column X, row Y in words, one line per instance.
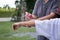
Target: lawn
column 7, row 32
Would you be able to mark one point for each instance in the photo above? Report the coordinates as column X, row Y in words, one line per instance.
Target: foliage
column 4, row 12
column 30, row 5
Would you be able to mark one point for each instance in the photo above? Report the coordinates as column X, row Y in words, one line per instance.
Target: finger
column 30, row 15
column 14, row 27
column 28, row 18
column 26, row 13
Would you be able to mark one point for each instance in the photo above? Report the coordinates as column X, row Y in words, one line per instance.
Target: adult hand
column 28, row 16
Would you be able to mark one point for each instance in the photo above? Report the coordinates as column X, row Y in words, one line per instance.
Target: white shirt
column 49, row 28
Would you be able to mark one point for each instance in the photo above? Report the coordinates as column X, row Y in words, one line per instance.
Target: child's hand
column 15, row 26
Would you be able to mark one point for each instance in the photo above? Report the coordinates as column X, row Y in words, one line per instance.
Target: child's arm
column 25, row 23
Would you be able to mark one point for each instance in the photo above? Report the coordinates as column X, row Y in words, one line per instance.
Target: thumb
column 26, row 13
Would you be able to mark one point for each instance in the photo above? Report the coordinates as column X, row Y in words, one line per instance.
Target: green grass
column 6, row 32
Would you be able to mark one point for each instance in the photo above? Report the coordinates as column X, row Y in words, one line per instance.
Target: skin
column 51, row 15
column 30, row 22
column 25, row 24
column 46, row 1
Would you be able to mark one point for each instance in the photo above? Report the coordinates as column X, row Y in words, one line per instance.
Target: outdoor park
column 16, row 14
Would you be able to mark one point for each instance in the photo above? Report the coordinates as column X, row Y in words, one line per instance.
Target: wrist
column 21, row 24
column 18, row 24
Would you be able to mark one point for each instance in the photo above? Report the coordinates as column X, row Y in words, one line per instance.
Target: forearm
column 52, row 15
column 27, row 23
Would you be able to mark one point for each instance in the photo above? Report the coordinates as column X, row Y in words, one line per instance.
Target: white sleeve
column 42, row 27
column 49, row 28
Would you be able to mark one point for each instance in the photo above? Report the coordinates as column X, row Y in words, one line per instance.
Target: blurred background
column 12, row 11
column 16, row 8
